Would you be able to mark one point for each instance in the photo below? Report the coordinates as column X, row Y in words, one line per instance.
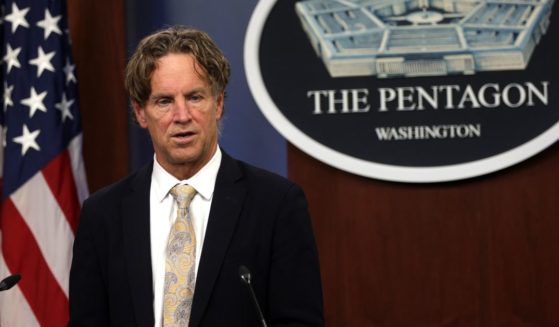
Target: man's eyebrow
column 196, row 90
column 158, row 96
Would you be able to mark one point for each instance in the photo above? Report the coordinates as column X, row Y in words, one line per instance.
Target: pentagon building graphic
column 390, row 38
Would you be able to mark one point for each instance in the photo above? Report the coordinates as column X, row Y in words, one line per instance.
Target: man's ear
column 220, row 100
column 140, row 114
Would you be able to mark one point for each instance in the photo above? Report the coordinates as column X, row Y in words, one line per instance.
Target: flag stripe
column 59, row 177
column 48, row 225
column 14, row 310
column 22, row 255
column 18, row 312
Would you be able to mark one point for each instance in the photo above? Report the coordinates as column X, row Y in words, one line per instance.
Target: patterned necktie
column 180, row 262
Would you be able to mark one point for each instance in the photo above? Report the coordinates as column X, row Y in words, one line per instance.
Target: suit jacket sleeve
column 88, row 299
column 295, row 292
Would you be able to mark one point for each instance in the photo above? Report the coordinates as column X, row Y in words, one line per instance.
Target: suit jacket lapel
column 226, row 206
column 136, row 239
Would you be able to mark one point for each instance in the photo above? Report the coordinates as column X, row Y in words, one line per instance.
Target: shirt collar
column 203, row 181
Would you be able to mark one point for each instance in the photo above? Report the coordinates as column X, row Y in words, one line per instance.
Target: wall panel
column 98, row 44
column 480, row 252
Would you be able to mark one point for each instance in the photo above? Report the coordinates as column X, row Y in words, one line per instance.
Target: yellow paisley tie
column 180, row 262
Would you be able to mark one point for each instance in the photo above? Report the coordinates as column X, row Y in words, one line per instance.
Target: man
column 144, row 257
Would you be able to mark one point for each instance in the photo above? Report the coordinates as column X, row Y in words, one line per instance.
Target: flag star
column 69, row 71
column 11, row 57
column 8, row 96
column 50, row 24
column 35, row 102
column 27, row 140
column 64, row 106
column 17, row 17
column 43, row 61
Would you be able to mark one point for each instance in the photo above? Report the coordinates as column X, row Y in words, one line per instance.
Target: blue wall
column 246, row 134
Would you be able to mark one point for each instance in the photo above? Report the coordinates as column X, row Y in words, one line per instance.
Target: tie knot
column 183, row 194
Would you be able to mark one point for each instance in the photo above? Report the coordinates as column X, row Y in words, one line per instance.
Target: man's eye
column 163, row 102
column 196, row 98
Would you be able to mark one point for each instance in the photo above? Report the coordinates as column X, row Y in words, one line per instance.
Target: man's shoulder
column 254, row 172
column 257, row 178
column 114, row 191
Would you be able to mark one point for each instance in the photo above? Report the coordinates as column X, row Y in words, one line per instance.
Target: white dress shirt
column 163, row 212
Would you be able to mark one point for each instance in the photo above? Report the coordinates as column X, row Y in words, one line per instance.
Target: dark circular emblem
column 417, row 91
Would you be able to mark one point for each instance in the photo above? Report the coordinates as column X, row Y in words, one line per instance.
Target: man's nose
column 182, row 111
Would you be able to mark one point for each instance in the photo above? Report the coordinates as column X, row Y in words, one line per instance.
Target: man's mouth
column 183, row 136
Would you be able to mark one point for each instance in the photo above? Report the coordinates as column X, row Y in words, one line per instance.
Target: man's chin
column 183, row 160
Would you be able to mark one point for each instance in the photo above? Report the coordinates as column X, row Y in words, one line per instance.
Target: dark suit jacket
column 257, row 219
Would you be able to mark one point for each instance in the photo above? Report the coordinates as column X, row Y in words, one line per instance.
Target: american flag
column 43, row 179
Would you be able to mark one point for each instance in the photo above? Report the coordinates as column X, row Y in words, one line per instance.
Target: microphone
column 244, row 273
column 9, row 282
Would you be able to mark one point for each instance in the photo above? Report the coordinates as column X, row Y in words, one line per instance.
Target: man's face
column 181, row 115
